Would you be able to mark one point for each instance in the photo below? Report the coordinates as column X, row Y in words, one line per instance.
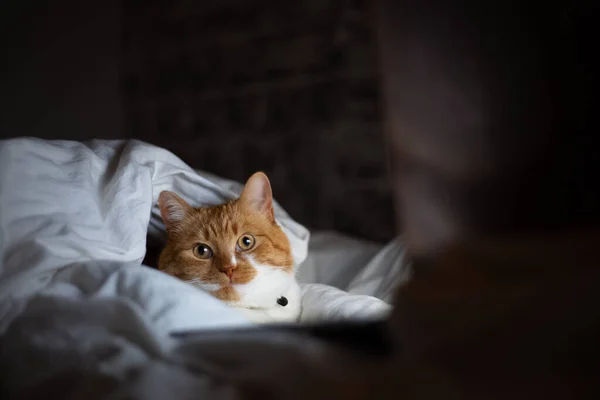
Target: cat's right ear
column 173, row 209
column 257, row 194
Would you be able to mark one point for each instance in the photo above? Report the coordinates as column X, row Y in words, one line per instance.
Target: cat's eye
column 246, row 242
column 202, row 251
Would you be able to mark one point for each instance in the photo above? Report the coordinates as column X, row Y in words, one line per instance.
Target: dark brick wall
column 235, row 86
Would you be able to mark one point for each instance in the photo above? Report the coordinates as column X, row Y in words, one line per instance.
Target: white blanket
column 73, row 293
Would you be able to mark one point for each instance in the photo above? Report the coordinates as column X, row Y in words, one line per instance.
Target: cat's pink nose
column 228, row 270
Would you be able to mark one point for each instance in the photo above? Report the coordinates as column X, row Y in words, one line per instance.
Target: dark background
column 230, row 86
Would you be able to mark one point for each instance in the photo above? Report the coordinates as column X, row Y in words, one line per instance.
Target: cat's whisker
column 198, row 283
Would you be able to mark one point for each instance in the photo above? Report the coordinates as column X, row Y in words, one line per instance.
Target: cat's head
column 226, row 248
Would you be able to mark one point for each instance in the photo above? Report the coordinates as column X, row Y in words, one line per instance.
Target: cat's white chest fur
column 277, row 313
column 258, row 298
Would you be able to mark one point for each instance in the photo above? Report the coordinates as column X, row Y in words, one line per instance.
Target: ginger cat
column 236, row 252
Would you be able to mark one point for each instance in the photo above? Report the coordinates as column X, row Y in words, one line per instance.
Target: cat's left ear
column 173, row 209
column 257, row 194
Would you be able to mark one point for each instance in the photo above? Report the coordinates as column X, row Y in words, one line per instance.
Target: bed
column 77, row 302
